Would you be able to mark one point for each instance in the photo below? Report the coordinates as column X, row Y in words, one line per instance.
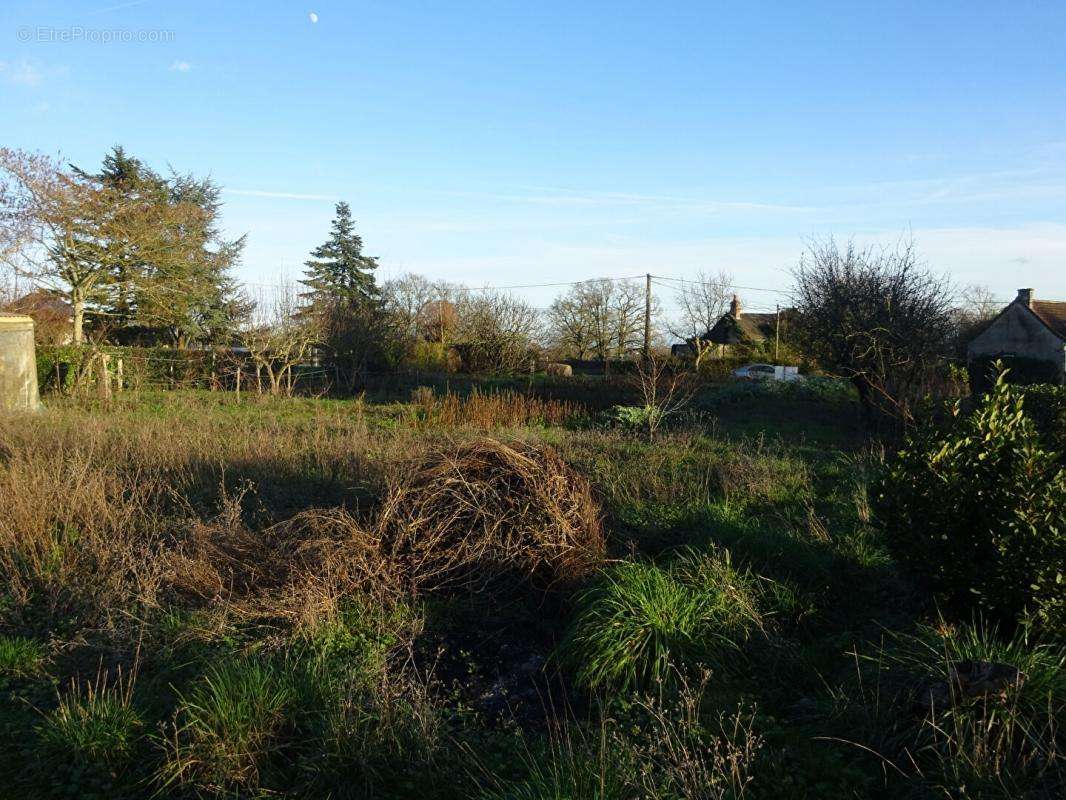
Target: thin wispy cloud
column 20, row 73
column 180, row 66
column 599, row 199
column 118, row 7
column 277, row 195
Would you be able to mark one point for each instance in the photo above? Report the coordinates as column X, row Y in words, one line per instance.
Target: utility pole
column 647, row 317
column 777, row 334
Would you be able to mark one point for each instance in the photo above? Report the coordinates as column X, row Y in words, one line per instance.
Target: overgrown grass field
column 430, row 594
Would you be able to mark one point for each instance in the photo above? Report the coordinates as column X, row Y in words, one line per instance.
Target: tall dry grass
column 112, row 515
column 108, row 516
column 486, row 410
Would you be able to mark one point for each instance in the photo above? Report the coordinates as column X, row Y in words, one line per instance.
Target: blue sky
column 505, row 142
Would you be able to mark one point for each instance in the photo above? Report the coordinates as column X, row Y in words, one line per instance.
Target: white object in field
column 18, row 364
column 764, row 372
column 313, row 17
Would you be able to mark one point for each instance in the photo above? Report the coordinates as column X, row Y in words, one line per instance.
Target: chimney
column 1025, row 297
column 734, row 307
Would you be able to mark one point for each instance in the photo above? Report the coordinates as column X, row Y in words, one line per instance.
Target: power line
column 722, row 285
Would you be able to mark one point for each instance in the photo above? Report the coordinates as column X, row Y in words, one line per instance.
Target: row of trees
column 140, row 257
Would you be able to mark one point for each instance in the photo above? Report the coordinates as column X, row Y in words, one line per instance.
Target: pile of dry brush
column 467, row 514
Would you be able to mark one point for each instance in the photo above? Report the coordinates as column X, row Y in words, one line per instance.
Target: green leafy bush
column 58, row 366
column 631, row 418
column 814, row 388
column 430, row 357
column 980, row 511
column 1046, row 406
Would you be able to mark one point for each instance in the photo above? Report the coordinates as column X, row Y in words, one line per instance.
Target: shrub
column 644, row 624
column 1046, row 406
column 430, row 357
column 632, row 418
column 985, row 372
column 60, row 366
column 809, row 388
column 980, row 511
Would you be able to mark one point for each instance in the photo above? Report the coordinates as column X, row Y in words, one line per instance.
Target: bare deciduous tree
column 403, row 299
column 975, row 308
column 663, row 390
column 701, row 303
column 497, row 331
column 280, row 337
column 599, row 319
column 875, row 316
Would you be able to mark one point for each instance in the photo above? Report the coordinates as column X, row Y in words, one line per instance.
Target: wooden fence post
column 238, row 383
column 103, row 377
column 118, row 374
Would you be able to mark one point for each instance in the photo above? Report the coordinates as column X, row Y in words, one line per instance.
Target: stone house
column 1027, row 328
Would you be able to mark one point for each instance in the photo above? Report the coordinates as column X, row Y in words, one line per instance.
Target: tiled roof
column 1052, row 313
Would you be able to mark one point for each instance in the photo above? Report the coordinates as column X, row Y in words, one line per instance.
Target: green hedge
column 59, row 365
column 1022, row 372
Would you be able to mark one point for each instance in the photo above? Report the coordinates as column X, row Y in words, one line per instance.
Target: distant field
column 363, row 598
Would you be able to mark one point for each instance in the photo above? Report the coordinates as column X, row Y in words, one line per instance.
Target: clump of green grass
column 96, row 725
column 228, row 725
column 645, row 622
column 20, row 657
column 1004, row 743
column 571, row 763
column 662, row 748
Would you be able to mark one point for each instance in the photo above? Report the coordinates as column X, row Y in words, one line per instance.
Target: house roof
column 41, row 301
column 1052, row 313
column 745, row 328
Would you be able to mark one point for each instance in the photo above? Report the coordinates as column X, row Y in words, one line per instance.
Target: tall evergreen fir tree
column 338, row 273
column 343, row 298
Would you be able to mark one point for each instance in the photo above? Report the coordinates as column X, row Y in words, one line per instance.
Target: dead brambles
column 465, row 513
column 471, row 512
